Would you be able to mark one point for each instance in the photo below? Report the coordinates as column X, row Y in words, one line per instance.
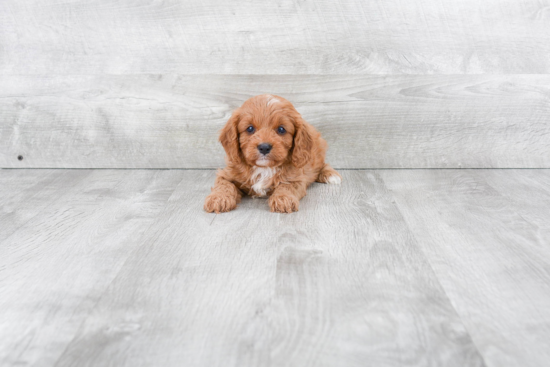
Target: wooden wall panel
column 172, row 121
column 274, row 37
column 393, row 83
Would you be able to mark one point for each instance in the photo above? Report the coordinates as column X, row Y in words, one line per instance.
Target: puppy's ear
column 229, row 137
column 303, row 144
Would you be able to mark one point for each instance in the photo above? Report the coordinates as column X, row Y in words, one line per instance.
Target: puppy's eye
column 250, row 129
column 281, row 130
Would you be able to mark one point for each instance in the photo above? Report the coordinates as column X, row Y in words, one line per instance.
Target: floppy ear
column 303, row 144
column 229, row 137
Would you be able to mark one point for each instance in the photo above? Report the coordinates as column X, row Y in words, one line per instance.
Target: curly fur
column 296, row 160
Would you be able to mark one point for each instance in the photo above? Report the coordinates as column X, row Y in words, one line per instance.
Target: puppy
column 271, row 151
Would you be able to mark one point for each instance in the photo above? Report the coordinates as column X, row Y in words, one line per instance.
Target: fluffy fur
column 296, row 159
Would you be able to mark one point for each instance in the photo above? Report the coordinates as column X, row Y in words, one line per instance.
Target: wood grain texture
column 342, row 282
column 486, row 235
column 172, row 121
column 55, row 267
column 276, row 37
column 27, row 193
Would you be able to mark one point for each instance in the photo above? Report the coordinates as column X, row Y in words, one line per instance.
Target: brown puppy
column 271, row 151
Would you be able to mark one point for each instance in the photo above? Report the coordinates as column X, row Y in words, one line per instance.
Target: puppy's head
column 267, row 131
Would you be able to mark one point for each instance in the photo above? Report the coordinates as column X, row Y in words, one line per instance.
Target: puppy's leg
column 329, row 175
column 286, row 197
column 224, row 197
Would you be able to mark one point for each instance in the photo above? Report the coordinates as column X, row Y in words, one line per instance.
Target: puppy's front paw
column 219, row 203
column 283, row 203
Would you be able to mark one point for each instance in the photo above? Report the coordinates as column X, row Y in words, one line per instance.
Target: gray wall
column 410, row 83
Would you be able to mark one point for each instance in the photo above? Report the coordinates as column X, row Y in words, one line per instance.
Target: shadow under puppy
column 271, row 151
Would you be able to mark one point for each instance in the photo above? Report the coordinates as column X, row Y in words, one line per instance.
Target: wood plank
column 14, row 183
column 528, row 193
column 341, row 282
column 172, row 121
column 487, row 240
column 26, row 193
column 278, row 37
column 56, row 266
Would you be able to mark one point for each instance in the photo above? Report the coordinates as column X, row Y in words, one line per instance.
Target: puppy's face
column 263, row 132
column 265, row 136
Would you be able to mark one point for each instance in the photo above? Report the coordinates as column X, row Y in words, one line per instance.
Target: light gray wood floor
column 392, row 268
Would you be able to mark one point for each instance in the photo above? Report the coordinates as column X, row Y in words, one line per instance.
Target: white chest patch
column 262, row 179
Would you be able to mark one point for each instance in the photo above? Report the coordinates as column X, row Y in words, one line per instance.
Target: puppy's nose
column 265, row 148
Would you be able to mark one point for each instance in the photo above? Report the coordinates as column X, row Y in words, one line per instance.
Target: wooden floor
column 392, row 268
